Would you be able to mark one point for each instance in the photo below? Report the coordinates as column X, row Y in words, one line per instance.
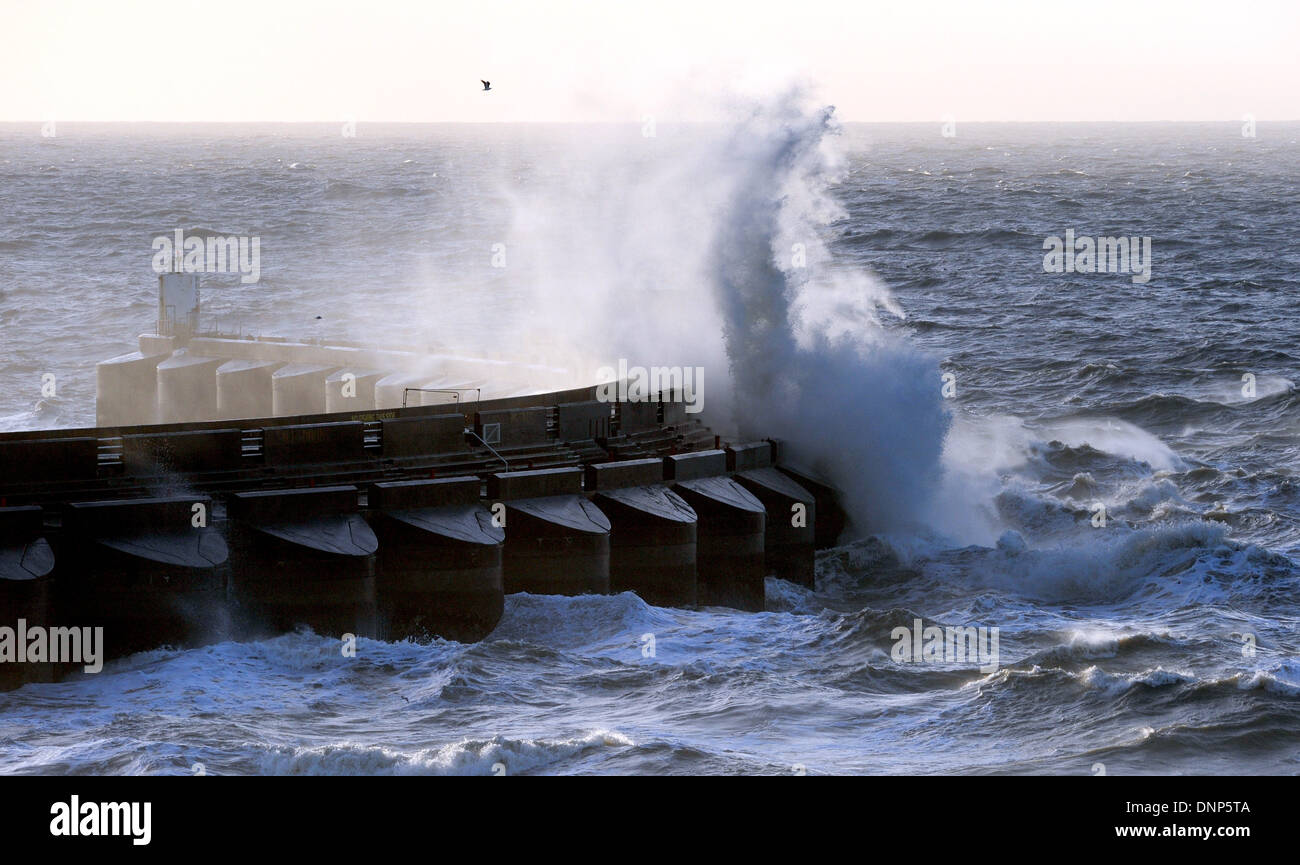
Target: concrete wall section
column 149, row 571
column 244, row 388
column 351, row 389
column 304, row 557
column 299, row 388
column 187, row 388
column 701, row 464
column 440, row 563
column 791, row 521
column 26, row 587
column 556, row 546
column 422, row 436
column 579, row 421
column 512, row 428
column 624, row 473
column 314, row 443
column 535, row 484
column 182, row 452
column 753, row 455
column 652, row 544
column 731, row 542
column 49, row 460
column 126, row 389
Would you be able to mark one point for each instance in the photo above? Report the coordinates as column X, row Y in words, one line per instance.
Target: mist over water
column 824, row 277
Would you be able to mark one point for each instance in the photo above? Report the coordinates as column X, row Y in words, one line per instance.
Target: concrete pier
column 149, row 571
column 303, row 556
column 440, row 560
column 730, row 535
column 790, row 545
column 26, row 589
column 424, row 552
column 361, row 377
column 557, row 542
column 653, row 542
column 244, row 388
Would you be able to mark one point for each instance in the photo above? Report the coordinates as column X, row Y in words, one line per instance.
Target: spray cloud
column 706, row 246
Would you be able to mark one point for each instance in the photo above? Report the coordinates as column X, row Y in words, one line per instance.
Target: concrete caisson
column 244, row 388
column 790, row 545
column 653, row 537
column 440, row 560
column 126, row 390
column 149, row 571
column 299, row 389
column 351, row 390
column 557, row 542
column 831, row 518
column 731, row 532
column 391, row 389
column 513, row 428
column 26, row 592
column 303, row 556
column 187, row 388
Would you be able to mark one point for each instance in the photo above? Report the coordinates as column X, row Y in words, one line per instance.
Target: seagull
column 487, row 85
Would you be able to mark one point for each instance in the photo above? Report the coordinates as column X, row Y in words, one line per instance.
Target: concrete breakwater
column 180, row 379
column 403, row 522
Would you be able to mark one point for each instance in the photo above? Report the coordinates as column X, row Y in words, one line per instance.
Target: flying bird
column 487, row 85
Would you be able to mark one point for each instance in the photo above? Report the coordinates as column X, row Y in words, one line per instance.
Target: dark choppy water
column 1120, row 645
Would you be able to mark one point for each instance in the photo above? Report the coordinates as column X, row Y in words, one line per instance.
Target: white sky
column 617, row 60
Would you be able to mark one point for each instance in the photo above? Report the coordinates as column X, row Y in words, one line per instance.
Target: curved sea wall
column 386, row 521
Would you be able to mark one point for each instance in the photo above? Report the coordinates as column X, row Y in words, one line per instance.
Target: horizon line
column 335, row 120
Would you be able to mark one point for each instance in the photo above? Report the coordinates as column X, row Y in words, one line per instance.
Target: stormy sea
column 1088, row 449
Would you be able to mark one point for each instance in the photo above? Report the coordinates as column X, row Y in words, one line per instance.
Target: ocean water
column 827, row 279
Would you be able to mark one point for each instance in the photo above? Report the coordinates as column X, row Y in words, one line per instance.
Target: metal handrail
column 456, row 391
column 504, row 461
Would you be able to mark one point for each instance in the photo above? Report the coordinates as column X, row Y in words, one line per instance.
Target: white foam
column 495, row 756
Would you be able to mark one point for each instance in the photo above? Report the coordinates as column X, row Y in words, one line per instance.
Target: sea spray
column 707, row 247
column 810, row 361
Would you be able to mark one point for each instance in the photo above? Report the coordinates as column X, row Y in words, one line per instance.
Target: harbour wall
column 386, row 522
